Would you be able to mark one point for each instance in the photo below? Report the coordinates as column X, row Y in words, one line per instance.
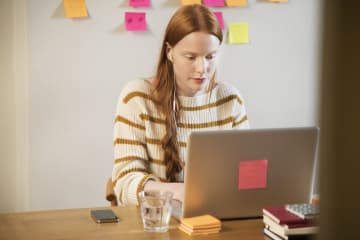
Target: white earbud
column 170, row 57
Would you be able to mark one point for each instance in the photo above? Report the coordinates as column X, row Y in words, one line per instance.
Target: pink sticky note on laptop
column 214, row 3
column 220, row 19
column 252, row 174
column 139, row 3
column 135, row 21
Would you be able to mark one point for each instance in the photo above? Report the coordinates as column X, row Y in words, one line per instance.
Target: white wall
column 7, row 113
column 13, row 106
column 77, row 68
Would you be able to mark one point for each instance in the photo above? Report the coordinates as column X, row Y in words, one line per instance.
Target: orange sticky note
column 202, row 221
column 75, row 8
column 252, row 174
column 236, row 3
column 189, row 2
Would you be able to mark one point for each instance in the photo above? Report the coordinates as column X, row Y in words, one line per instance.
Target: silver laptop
column 235, row 173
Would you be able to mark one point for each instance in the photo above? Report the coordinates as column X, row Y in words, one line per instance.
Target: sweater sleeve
column 131, row 162
column 239, row 112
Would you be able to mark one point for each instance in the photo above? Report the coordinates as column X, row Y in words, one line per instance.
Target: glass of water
column 155, row 209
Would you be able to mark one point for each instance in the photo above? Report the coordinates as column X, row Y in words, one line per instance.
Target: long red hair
column 187, row 19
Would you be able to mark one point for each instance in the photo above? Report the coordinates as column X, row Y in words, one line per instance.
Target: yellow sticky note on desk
column 75, row 8
column 188, row 2
column 202, row 222
column 236, row 3
column 238, row 33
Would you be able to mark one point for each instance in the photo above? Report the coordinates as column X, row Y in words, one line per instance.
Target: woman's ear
column 169, row 52
column 170, row 57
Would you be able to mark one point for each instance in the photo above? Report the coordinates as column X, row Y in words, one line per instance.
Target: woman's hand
column 176, row 188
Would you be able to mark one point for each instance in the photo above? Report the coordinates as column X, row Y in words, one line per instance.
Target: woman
column 154, row 116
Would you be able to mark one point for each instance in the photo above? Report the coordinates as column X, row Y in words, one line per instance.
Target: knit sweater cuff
column 142, row 182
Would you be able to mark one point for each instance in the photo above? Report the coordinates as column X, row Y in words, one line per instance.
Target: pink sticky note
column 214, row 3
column 252, row 174
column 139, row 3
column 220, row 18
column 135, row 21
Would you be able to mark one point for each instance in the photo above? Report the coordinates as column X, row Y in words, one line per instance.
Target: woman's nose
column 200, row 65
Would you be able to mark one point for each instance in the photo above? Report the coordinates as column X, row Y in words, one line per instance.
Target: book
column 280, row 215
column 273, row 236
column 290, row 229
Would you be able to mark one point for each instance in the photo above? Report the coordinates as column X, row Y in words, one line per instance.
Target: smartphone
column 104, row 216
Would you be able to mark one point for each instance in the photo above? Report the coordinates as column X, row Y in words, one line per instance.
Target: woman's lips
column 199, row 80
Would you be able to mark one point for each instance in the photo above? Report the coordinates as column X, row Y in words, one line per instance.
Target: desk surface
column 77, row 224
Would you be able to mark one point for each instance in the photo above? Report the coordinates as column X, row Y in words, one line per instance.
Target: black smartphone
column 104, row 216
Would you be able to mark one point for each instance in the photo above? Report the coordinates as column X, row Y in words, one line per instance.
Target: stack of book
column 204, row 224
column 281, row 224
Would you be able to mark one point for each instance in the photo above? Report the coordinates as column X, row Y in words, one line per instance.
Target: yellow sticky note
column 75, row 8
column 188, row 2
column 201, row 222
column 236, row 3
column 279, row 1
column 238, row 32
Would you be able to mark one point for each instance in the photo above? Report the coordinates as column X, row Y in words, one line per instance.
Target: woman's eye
column 209, row 57
column 190, row 57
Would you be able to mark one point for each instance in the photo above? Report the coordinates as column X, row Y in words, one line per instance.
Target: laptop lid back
column 235, row 173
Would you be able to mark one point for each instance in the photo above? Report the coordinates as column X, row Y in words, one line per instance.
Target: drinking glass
column 156, row 210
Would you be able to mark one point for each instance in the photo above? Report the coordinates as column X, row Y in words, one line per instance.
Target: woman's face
column 194, row 60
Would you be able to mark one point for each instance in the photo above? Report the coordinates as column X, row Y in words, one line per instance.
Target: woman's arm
column 176, row 188
column 131, row 160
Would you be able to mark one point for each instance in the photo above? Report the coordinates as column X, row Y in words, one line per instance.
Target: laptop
column 234, row 174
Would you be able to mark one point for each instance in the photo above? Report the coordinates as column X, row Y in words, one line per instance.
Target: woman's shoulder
column 226, row 89
column 137, row 90
column 138, row 85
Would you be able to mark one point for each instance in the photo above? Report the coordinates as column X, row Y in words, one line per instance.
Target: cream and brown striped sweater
column 139, row 128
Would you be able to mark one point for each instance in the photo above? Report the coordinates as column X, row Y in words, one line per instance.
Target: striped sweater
column 139, row 128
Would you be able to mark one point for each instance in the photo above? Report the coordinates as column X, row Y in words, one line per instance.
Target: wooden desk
column 77, row 224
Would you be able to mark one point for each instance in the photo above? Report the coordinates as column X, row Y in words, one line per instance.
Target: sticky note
column 135, row 21
column 214, row 3
column 279, row 1
column 220, row 19
column 139, row 3
column 236, row 3
column 252, row 174
column 75, row 8
column 238, row 33
column 189, row 2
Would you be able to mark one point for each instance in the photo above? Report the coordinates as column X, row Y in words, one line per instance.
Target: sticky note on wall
column 236, row 3
column 238, row 33
column 135, row 21
column 220, row 19
column 279, row 1
column 214, row 3
column 252, row 174
column 139, row 3
column 75, row 8
column 189, row 2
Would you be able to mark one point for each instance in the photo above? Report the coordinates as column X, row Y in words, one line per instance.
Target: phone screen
column 104, row 216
